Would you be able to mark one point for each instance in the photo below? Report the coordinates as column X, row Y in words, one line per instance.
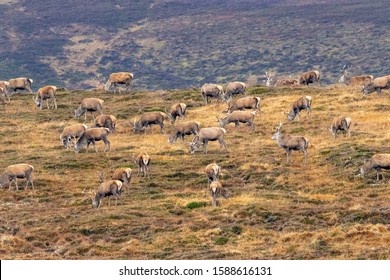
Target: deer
column 123, row 174
column 234, row 88
column 46, row 93
column 354, row 80
column 249, row 102
column 213, row 171
column 107, row 121
column 123, row 78
column 291, row 143
column 17, row 171
column 212, row 91
column 299, row 105
column 143, row 162
column 182, row 129
column 216, row 190
column 377, row 85
column 92, row 135
column 341, row 124
column 237, row 117
column 4, row 85
column 20, row 83
column 89, row 105
column 177, row 110
column 106, row 188
column 205, row 135
column 72, row 132
column 310, row 77
column 149, row 118
column 377, row 162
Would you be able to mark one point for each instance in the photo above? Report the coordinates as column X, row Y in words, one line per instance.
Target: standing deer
column 92, row 135
column 143, row 162
column 310, row 77
column 148, row 119
column 355, row 80
column 123, row 174
column 237, row 117
column 106, row 188
column 212, row 91
column 212, row 171
column 17, row 171
column 291, row 143
column 177, row 110
column 182, row 129
column 216, row 190
column 89, row 105
column 341, row 123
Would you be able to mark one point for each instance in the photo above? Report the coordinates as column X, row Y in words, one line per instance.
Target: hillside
column 182, row 43
column 275, row 210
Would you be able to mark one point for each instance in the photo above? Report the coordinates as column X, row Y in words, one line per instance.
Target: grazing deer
column 106, row 188
column 205, row 135
column 143, row 162
column 377, row 85
column 217, row 190
column 182, row 129
column 377, row 162
column 291, row 143
column 148, row 119
column 355, row 80
column 213, row 171
column 92, row 135
column 72, row 132
column 89, row 105
column 211, row 91
column 177, row 110
column 237, row 117
column 46, row 93
column 250, row 102
column 123, row 174
column 234, row 88
column 107, row 121
column 121, row 78
column 341, row 123
column 20, row 83
column 17, row 171
column 310, row 77
column 300, row 104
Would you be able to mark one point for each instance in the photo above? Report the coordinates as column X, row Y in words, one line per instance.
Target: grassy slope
column 184, row 44
column 276, row 211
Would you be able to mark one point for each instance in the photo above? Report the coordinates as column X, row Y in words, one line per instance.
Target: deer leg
column 55, row 103
column 47, row 104
column 305, row 156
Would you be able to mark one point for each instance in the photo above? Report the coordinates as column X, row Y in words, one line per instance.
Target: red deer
column 46, row 93
column 216, row 190
column 237, row 117
column 377, row 85
column 143, row 162
column 17, row 171
column 148, row 119
column 20, row 83
column 377, row 162
column 291, row 143
column 212, row 171
column 355, row 80
column 310, row 77
column 92, row 135
column 300, row 104
column 287, row 82
column 123, row 174
column 205, row 135
column 342, row 124
column 89, row 105
column 5, row 86
column 107, row 121
column 211, row 91
column 182, row 129
column 121, row 78
column 234, row 88
column 177, row 110
column 72, row 132
column 106, row 188
column 250, row 102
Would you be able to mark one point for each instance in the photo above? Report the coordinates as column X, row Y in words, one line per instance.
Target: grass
column 275, row 210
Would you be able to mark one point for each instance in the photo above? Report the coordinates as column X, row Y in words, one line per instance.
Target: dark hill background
column 183, row 43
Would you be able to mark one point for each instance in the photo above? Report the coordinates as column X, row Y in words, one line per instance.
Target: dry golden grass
column 276, row 210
